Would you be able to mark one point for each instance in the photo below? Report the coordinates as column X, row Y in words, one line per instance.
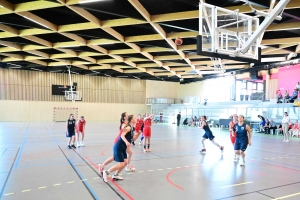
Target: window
column 247, row 88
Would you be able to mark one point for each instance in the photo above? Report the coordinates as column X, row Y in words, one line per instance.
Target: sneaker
column 116, row 177
column 203, row 151
column 81, row 144
column 287, row 141
column 73, row 146
column 145, row 150
column 78, row 145
column 140, row 142
column 130, row 168
column 69, row 147
column 222, row 149
column 242, row 164
column 283, row 140
column 133, row 143
column 148, row 150
column 105, row 175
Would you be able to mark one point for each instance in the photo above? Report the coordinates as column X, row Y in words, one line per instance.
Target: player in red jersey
column 233, row 133
column 147, row 131
column 80, row 126
column 138, row 127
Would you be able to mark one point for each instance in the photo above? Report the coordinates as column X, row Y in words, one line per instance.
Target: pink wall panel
column 288, row 77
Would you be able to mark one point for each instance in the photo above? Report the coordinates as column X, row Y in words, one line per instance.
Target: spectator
column 280, row 129
column 279, row 97
column 267, row 127
column 272, row 126
column 295, row 129
column 293, row 97
column 205, row 101
column 286, row 96
column 185, row 122
column 178, row 118
column 262, row 123
column 298, row 86
column 196, row 121
column 161, row 117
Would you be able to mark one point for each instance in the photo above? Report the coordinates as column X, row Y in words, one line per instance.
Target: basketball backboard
column 223, row 32
column 73, row 95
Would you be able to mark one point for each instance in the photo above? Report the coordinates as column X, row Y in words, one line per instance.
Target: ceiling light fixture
column 14, row 67
column 122, row 76
column 107, row 75
column 36, row 22
column 55, row 71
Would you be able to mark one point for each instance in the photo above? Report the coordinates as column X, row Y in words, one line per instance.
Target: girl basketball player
column 70, row 125
column 147, row 131
column 120, row 147
column 138, row 127
column 80, row 126
column 123, row 122
column 243, row 138
column 232, row 132
column 208, row 135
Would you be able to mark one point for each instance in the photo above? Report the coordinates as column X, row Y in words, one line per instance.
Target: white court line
column 236, row 184
column 287, row 196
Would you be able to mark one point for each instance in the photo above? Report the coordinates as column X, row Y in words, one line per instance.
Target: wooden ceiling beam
column 9, row 29
column 35, row 5
column 11, row 44
column 38, row 40
column 39, row 62
column 13, row 55
column 75, row 38
column 38, row 20
column 39, row 53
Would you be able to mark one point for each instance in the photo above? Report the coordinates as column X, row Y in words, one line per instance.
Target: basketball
column 178, row 41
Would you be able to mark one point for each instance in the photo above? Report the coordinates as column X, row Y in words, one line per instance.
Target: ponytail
column 122, row 120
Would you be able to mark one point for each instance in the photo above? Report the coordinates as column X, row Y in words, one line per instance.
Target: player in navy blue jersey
column 243, row 138
column 208, row 135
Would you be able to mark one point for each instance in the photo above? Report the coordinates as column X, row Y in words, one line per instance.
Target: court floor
column 36, row 164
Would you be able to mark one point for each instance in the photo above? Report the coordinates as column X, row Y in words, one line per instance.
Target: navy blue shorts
column 119, row 153
column 208, row 135
column 241, row 144
column 70, row 133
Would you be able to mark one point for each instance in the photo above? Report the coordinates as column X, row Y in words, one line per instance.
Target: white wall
column 37, row 111
column 161, row 89
column 215, row 90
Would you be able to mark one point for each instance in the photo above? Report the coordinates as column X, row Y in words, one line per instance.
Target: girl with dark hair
column 233, row 133
column 119, row 148
column 70, row 125
column 123, row 122
column 208, row 135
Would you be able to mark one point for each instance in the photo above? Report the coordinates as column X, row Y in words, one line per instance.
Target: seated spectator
column 295, row 129
column 185, row 122
column 293, row 97
column 280, row 129
column 196, row 121
column 191, row 123
column 272, row 126
column 267, row 127
column 298, row 86
column 262, row 124
column 286, row 96
column 279, row 97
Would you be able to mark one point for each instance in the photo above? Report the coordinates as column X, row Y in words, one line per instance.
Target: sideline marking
column 42, row 187
column 26, row 190
column 287, row 196
column 71, row 182
column 8, row 194
column 236, row 184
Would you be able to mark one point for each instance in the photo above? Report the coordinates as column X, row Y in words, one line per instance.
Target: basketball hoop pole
column 71, row 85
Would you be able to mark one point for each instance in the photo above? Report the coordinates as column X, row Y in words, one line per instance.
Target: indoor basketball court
column 177, row 59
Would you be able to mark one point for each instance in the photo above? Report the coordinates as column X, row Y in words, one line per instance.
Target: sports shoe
column 116, row 177
column 73, row 146
column 140, row 142
column 145, row 150
column 243, row 164
column 81, row 144
column 283, row 140
column 133, row 143
column 203, row 151
column 148, row 150
column 130, row 168
column 69, row 147
column 222, row 149
column 287, row 141
column 105, row 175
column 78, row 145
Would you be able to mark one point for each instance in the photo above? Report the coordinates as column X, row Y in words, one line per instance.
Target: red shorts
column 79, row 129
column 137, row 128
column 147, row 132
column 232, row 138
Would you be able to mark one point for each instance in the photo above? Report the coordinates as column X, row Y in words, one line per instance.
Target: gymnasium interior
column 100, row 58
